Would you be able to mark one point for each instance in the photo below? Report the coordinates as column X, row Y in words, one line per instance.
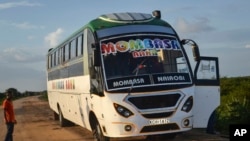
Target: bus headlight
column 188, row 104
column 122, row 110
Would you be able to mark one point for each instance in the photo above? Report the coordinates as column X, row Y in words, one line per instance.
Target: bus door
column 207, row 90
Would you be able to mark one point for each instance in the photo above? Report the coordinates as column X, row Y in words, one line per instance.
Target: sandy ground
column 35, row 123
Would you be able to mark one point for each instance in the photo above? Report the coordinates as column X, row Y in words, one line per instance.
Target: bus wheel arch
column 56, row 113
column 92, row 120
column 96, row 128
column 63, row 122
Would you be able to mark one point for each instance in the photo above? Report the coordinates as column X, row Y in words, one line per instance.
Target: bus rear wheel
column 56, row 116
column 62, row 121
column 97, row 132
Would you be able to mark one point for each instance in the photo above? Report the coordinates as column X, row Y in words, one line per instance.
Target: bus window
column 181, row 64
column 63, row 54
column 59, row 56
column 52, row 60
column 73, row 49
column 117, row 65
column 49, row 61
column 146, row 61
column 66, row 52
column 79, row 45
column 55, row 58
column 207, row 70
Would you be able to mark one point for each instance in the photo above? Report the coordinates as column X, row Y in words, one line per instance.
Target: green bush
column 235, row 103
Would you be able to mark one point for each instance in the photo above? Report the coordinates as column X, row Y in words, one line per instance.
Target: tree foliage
column 235, row 102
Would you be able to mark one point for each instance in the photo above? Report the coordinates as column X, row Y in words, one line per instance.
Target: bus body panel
column 72, row 102
column 115, row 124
column 207, row 99
column 207, row 90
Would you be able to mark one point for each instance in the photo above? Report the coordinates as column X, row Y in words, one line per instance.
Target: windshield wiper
column 138, row 67
column 136, row 71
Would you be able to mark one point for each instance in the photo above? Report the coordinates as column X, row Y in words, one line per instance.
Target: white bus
column 128, row 75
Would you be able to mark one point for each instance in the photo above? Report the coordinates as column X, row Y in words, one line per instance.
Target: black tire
column 62, row 120
column 97, row 133
column 56, row 116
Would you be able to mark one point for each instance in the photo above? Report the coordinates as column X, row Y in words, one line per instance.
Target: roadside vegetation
column 18, row 95
column 235, row 103
column 234, row 108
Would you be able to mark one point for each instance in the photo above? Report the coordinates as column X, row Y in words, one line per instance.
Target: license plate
column 159, row 121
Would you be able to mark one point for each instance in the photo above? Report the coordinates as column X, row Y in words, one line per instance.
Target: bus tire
column 97, row 133
column 56, row 116
column 62, row 120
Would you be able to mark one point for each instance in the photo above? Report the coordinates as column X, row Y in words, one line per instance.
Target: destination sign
column 171, row 78
column 143, row 80
column 128, row 82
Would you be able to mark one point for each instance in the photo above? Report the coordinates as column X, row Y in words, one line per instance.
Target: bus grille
column 158, row 115
column 156, row 101
column 156, row 128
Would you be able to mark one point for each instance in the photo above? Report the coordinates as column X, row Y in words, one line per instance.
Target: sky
column 28, row 28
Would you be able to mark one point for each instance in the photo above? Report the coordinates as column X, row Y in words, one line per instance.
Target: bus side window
column 55, row 58
column 49, row 61
column 52, row 60
column 63, row 53
column 59, row 56
column 80, row 45
column 73, row 49
column 66, row 52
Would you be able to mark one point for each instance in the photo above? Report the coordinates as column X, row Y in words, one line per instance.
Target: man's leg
column 10, row 129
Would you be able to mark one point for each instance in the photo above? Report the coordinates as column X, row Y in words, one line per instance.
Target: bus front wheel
column 97, row 132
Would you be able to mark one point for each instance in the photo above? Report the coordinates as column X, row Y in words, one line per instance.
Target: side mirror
column 195, row 48
column 196, row 53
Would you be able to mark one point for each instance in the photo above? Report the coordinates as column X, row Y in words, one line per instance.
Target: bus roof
column 118, row 19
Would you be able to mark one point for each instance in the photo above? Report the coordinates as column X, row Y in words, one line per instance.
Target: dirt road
column 35, row 123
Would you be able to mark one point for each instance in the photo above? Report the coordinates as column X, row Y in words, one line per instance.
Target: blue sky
column 28, row 28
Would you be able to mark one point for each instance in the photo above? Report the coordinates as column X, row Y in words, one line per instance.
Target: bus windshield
column 143, row 60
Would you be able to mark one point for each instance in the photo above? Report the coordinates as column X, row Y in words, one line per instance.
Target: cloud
column 200, row 25
column 14, row 55
column 26, row 25
column 17, row 4
column 30, row 37
column 53, row 37
column 247, row 46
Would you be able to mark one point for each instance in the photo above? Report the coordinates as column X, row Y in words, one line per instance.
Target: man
column 9, row 115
